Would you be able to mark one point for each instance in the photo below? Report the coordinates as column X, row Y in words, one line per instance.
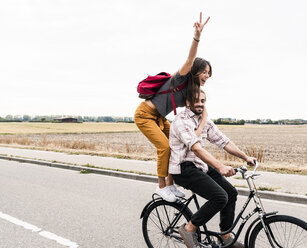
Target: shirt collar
column 192, row 115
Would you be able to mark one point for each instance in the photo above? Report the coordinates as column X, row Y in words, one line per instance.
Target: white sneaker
column 166, row 194
column 177, row 192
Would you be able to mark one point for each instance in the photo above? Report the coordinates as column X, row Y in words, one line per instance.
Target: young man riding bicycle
column 189, row 167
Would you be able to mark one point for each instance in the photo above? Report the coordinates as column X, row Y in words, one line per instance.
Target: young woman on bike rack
column 150, row 114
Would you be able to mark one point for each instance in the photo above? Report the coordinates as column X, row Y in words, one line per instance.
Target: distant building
column 66, row 120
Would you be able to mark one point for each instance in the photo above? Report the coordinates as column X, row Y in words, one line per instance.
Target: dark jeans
column 214, row 187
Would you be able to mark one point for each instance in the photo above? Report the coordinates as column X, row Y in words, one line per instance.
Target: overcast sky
column 86, row 57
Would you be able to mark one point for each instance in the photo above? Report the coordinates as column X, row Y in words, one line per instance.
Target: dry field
column 44, row 128
column 278, row 148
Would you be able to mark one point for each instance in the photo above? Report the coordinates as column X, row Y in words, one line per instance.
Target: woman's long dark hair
column 193, row 84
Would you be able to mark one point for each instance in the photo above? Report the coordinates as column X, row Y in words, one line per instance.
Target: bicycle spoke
column 299, row 238
column 161, row 241
column 155, row 222
column 276, row 235
column 175, row 243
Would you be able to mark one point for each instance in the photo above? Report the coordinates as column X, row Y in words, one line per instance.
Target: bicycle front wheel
column 285, row 231
column 161, row 222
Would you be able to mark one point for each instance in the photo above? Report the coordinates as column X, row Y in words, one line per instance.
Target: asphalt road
column 49, row 207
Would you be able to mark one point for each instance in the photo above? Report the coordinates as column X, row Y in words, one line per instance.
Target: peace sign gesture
column 199, row 26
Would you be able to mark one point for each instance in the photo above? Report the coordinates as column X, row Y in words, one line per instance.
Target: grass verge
column 262, row 167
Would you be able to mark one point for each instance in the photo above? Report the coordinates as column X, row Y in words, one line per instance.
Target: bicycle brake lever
column 256, row 176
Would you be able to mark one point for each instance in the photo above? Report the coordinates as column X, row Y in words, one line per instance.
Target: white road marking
column 44, row 234
column 58, row 239
column 19, row 222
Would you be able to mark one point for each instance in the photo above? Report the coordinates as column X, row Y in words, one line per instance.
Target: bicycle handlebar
column 243, row 169
column 256, row 166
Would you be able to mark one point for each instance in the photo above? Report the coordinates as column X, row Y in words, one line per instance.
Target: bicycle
column 161, row 220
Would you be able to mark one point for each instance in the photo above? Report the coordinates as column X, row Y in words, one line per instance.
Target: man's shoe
column 189, row 238
column 166, row 194
column 237, row 244
column 177, row 192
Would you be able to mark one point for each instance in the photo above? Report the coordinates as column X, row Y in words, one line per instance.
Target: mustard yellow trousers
column 156, row 128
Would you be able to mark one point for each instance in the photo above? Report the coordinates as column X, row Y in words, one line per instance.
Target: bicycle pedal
column 213, row 245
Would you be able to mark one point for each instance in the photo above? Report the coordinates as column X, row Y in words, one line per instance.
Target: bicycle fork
column 262, row 217
column 269, row 234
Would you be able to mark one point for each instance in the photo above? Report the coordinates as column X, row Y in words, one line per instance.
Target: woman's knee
column 164, row 148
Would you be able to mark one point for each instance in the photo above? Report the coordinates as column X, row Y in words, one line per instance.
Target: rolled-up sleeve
column 184, row 130
column 215, row 136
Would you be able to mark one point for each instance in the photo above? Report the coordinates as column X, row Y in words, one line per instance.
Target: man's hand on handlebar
column 227, row 171
column 251, row 161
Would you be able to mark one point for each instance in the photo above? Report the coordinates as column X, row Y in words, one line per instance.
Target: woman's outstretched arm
column 186, row 68
column 202, row 123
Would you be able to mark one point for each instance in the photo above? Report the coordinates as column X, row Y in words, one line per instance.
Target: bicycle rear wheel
column 161, row 222
column 286, row 232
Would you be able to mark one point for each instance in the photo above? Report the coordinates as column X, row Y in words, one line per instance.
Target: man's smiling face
column 198, row 107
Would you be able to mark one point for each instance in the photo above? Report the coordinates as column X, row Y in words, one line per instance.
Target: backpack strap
column 173, row 103
column 179, row 88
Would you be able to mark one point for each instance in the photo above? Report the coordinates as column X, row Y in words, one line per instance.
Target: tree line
column 220, row 121
column 52, row 118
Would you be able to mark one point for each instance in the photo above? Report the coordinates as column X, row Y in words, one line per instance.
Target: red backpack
column 150, row 86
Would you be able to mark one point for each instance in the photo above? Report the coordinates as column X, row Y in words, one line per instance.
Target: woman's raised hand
column 186, row 68
column 199, row 26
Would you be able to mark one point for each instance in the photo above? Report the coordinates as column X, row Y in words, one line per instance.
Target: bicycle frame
column 258, row 209
column 185, row 203
column 252, row 195
column 261, row 216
